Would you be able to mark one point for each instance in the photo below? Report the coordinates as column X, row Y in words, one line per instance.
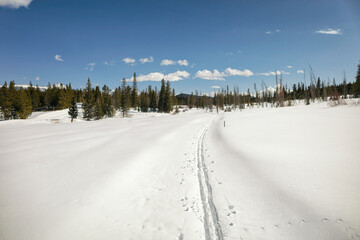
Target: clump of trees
column 97, row 103
column 19, row 103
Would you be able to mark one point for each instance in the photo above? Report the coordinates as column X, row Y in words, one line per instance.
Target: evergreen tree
column 356, row 86
column 98, row 107
column 88, row 104
column 161, row 104
column 108, row 109
column 12, row 99
column 152, row 99
column 73, row 111
column 98, row 112
column 22, row 104
column 134, row 97
column 124, row 98
column 5, row 102
column 144, row 105
column 167, row 98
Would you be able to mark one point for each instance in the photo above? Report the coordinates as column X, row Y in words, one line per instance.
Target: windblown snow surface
column 270, row 173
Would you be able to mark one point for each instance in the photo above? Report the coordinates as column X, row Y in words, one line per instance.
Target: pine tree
column 167, row 98
column 134, row 97
column 73, row 111
column 124, row 98
column 161, row 104
column 98, row 107
column 22, row 104
column 5, row 103
column 88, row 104
column 144, row 105
column 108, row 109
column 356, row 86
column 152, row 99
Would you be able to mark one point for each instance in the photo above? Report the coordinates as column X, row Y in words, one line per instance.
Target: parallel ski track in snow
column 212, row 225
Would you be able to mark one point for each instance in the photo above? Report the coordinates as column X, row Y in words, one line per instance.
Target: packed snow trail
column 212, row 225
column 133, row 178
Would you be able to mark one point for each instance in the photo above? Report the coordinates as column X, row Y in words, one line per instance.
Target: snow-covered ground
column 284, row 173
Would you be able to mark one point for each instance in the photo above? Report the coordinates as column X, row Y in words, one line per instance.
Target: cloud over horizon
column 273, row 73
column 167, row 62
column 158, row 76
column 129, row 60
column 15, row 4
column 329, row 31
column 146, row 60
column 216, row 75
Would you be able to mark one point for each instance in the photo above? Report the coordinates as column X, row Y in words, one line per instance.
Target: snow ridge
column 212, row 225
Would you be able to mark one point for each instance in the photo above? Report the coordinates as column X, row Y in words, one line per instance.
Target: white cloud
column 215, row 87
column 183, row 62
column 271, row 32
column 300, row 71
column 176, row 76
column 158, row 76
column 329, row 31
column 273, row 73
column 289, row 67
column 90, row 66
column 166, row 62
column 57, row 57
column 216, row 75
column 111, row 63
column 235, row 72
column 129, row 60
column 208, row 75
column 146, row 60
column 37, row 78
column 15, row 3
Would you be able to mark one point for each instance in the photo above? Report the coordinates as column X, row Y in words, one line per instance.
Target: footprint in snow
column 339, row 220
column 276, row 225
column 325, row 219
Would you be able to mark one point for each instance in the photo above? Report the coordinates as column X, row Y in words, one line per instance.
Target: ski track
column 211, row 221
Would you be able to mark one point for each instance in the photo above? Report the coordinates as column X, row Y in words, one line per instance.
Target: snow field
column 287, row 173
column 284, row 173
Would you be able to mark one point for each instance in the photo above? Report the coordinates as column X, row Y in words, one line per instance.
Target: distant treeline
column 98, row 103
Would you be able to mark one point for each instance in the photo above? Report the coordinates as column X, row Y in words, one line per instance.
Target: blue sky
column 194, row 44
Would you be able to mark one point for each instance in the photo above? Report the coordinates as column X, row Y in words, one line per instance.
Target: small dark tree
column 134, row 97
column 356, row 86
column 161, row 104
column 73, row 111
column 88, row 104
column 5, row 102
column 167, row 98
column 124, row 98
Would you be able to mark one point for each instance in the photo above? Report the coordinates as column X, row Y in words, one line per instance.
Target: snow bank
column 288, row 173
